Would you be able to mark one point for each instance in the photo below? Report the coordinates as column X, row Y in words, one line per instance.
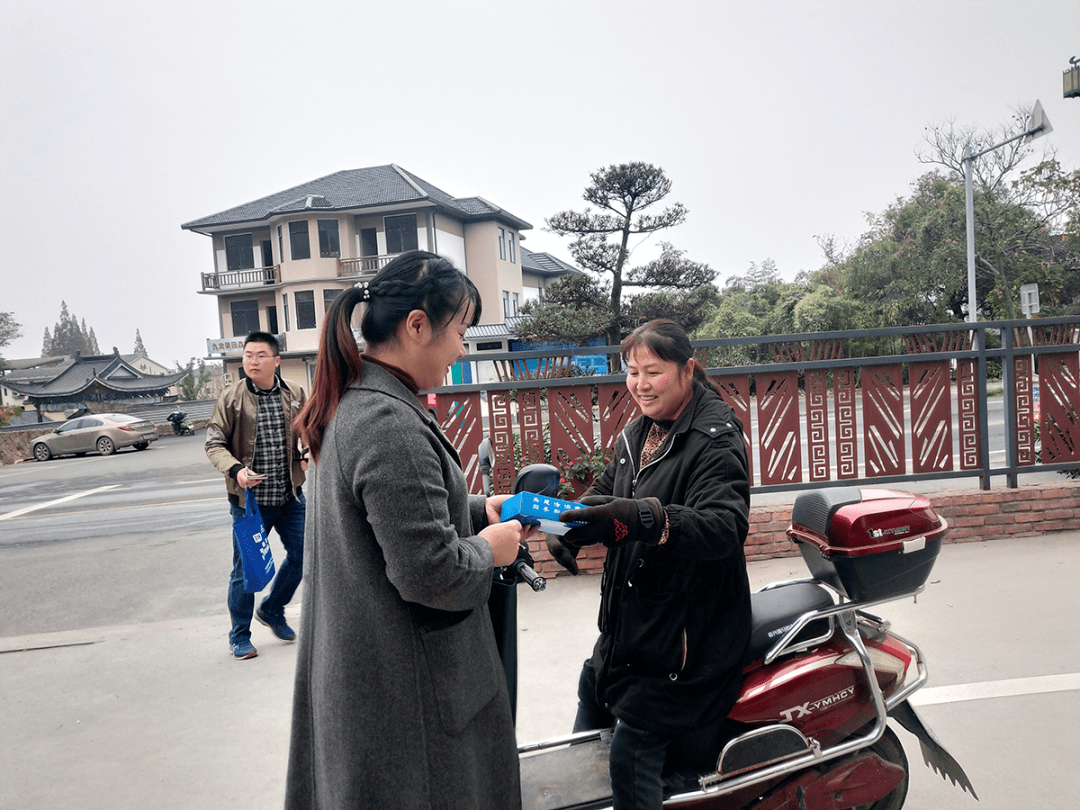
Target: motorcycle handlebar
column 522, row 569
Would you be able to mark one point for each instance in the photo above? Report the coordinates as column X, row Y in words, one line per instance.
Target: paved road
column 117, row 691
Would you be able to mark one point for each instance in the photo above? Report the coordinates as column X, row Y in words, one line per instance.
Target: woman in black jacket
column 672, row 507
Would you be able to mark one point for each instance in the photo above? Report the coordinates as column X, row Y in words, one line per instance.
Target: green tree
column 911, row 266
column 573, row 310
column 621, row 195
column 9, row 331
column 757, row 303
column 192, row 386
column 69, row 337
column 139, row 349
column 821, row 309
column 1016, row 217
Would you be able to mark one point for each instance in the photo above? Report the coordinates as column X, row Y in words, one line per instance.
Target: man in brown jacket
column 250, row 439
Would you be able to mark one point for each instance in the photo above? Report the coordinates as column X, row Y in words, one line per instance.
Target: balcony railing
column 848, row 408
column 236, row 279
column 363, row 266
column 359, row 268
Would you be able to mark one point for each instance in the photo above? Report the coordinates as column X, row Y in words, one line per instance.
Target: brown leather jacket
column 230, row 434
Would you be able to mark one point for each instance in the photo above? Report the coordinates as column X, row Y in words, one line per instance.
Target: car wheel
column 42, row 452
column 142, row 445
column 106, row 446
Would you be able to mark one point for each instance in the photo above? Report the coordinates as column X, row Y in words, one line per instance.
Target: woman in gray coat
column 400, row 698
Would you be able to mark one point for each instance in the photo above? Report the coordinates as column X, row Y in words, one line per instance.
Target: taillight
column 880, row 660
column 127, row 427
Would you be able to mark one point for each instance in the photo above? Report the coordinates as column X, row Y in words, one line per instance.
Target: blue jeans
column 637, row 756
column 288, row 519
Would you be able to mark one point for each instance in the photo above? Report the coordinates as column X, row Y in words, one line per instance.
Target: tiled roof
column 545, row 264
column 101, row 372
column 356, row 188
column 494, row 330
column 33, row 362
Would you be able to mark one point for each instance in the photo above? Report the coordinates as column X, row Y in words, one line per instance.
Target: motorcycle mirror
column 543, row 479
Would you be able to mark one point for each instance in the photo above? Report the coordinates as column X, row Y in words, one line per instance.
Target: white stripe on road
column 35, row 507
column 1014, row 687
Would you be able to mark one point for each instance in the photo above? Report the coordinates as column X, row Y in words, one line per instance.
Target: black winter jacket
column 675, row 618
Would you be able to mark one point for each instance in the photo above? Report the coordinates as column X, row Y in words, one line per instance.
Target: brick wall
column 1030, row 509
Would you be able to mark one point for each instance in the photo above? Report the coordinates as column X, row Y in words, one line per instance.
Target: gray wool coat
column 400, row 700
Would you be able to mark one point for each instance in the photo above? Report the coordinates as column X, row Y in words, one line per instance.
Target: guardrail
column 821, row 409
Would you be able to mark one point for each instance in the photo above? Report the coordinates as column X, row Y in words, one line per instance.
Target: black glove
column 613, row 521
column 564, row 555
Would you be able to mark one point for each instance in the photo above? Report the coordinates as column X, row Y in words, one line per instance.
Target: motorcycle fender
column 852, row 782
column 934, row 754
column 863, row 779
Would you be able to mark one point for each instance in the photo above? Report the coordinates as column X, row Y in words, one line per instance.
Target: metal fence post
column 1008, row 391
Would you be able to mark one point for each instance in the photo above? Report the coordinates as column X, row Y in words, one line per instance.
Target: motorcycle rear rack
column 848, row 616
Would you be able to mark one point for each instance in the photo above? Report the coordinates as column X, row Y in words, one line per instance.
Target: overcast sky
column 778, row 121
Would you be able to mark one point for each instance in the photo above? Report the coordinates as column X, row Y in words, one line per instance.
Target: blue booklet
column 540, row 510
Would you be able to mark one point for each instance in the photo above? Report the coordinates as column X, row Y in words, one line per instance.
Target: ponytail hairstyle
column 413, row 280
column 668, row 341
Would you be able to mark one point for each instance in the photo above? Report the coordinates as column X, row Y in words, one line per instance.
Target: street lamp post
column 1038, row 125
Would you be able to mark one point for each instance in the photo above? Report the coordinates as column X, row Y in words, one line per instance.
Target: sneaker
column 277, row 626
column 243, row 650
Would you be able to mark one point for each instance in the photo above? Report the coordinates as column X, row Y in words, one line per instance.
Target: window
column 238, row 252
column 280, row 245
column 298, row 240
column 369, row 242
column 489, row 347
column 245, row 317
column 502, row 243
column 271, row 320
column 328, row 239
column 516, row 303
column 513, row 249
column 267, row 253
column 400, row 233
column 305, row 309
column 285, row 309
column 328, row 297
column 506, row 303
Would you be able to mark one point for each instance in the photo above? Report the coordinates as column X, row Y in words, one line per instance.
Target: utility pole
column 1037, row 126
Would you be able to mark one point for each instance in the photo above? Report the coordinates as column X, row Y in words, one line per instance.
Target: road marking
column 1013, row 687
column 35, row 507
column 123, row 507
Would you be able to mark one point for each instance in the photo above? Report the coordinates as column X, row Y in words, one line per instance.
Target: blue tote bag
column 255, row 554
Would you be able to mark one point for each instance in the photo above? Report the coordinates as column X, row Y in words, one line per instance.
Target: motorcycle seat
column 775, row 610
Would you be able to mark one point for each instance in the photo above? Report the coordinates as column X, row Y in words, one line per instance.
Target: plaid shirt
column 270, row 454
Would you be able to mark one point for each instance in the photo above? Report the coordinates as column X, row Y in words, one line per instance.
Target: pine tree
column 140, row 349
column 69, row 336
column 47, row 344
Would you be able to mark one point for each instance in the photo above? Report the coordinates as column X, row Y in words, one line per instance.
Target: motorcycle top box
column 868, row 544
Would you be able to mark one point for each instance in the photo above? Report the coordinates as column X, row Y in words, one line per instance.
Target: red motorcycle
column 808, row 731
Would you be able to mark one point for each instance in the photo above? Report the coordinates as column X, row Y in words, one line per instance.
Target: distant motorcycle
column 180, row 425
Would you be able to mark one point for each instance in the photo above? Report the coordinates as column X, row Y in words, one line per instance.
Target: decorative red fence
column 816, row 414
